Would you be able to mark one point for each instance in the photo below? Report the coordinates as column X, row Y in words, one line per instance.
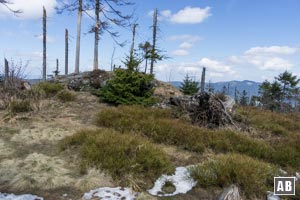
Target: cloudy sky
column 233, row 39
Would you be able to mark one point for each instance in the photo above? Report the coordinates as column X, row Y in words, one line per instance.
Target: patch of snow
column 249, row 83
column 271, row 196
column 117, row 193
column 297, row 176
column 4, row 196
column 180, row 180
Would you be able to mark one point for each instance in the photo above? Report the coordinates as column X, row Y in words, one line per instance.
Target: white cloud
column 31, row 9
column 283, row 50
column 185, row 45
column 276, row 63
column 215, row 66
column 215, row 75
column 49, row 38
column 165, row 13
column 34, row 54
column 181, row 52
column 186, row 38
column 190, row 15
column 269, row 58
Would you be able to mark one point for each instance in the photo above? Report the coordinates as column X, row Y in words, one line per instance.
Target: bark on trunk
column 6, row 72
column 96, row 29
column 66, row 52
column 44, row 43
column 154, row 41
column 78, row 37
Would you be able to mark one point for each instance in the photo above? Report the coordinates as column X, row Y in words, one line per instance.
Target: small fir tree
column 189, row 86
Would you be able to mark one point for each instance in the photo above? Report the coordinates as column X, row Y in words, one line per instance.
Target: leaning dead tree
column 44, row 43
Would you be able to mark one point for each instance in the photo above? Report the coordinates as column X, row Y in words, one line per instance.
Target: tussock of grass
column 159, row 126
column 276, row 123
column 122, row 155
column 254, row 177
column 50, row 89
column 93, row 179
column 20, row 106
column 287, row 151
column 65, row 96
column 35, row 171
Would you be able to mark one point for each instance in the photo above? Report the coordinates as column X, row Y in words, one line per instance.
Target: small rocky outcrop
column 85, row 81
column 230, row 193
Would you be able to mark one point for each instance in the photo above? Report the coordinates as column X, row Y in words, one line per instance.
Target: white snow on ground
column 180, row 180
column 117, row 193
column 4, row 196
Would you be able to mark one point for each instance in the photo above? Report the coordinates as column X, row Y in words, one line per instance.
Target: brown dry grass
column 29, row 157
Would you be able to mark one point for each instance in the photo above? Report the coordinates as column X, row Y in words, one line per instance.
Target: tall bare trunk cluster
column 96, row 29
column 66, row 52
column 153, row 41
column 44, row 43
column 78, row 36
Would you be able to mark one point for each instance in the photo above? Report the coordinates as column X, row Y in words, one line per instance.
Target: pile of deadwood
column 206, row 109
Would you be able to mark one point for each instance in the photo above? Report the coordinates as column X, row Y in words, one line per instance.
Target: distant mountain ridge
column 251, row 87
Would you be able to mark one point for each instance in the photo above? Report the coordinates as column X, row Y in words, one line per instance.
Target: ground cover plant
column 254, row 177
column 125, row 157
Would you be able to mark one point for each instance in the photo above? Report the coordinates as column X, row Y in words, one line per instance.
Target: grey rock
column 271, row 196
column 230, row 193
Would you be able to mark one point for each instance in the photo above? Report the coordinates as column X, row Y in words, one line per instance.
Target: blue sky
column 233, row 39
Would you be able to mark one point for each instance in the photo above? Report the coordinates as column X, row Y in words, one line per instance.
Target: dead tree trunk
column 153, row 52
column 57, row 66
column 44, row 43
column 133, row 41
column 96, row 30
column 66, row 52
column 78, row 37
column 112, row 58
column 6, row 73
column 203, row 80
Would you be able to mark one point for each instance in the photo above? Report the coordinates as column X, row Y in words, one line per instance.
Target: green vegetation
column 65, row 96
column 264, row 120
column 254, row 177
column 189, row 86
column 50, row 89
column 168, row 187
column 278, row 95
column 128, row 87
column 283, row 125
column 19, row 106
column 159, row 126
column 122, row 155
